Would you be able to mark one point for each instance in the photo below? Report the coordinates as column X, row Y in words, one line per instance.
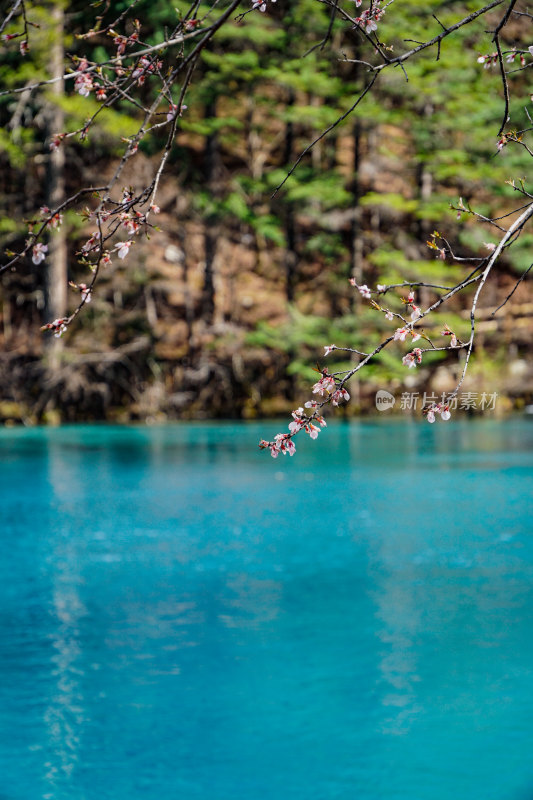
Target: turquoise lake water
column 184, row 617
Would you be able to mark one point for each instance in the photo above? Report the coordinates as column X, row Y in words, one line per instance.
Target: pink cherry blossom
column 443, row 410
column 123, row 249
column 413, row 358
column 324, row 386
column 132, row 225
column 84, row 84
column 298, row 420
column 121, row 42
column 290, row 447
column 261, row 5
column 312, row 430
column 501, row 144
column 90, row 244
column 400, row 334
column 56, row 141
column 85, row 292
column 59, row 327
column 282, row 444
column 140, row 71
column 172, row 111
column 453, row 339
column 39, row 252
column 363, row 289
column 339, row 396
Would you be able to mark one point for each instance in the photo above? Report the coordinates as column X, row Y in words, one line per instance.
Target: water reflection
column 252, row 602
column 399, row 613
column 64, row 715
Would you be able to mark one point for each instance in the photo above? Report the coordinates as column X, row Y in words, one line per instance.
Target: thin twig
column 325, row 133
column 517, row 284
column 504, row 19
column 504, row 83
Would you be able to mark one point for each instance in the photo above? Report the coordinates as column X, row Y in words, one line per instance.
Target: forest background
column 225, row 311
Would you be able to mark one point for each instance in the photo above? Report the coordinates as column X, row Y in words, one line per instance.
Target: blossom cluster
column 401, row 334
column 443, row 410
column 23, row 44
column 453, row 338
column 311, row 421
column 363, row 289
column 261, row 5
column 58, row 326
column 302, row 422
column 84, row 81
column 145, row 67
column 415, row 311
column 492, row 59
column 39, row 252
column 121, row 42
column 53, row 221
column 413, row 358
column 283, row 442
column 132, row 221
column 370, row 17
column 85, row 291
column 327, row 387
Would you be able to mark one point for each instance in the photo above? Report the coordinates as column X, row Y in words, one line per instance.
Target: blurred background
column 226, row 310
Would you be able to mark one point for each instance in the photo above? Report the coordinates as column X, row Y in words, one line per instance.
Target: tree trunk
column 291, row 255
column 212, row 169
column 425, row 191
column 56, row 261
column 356, row 237
column 356, row 241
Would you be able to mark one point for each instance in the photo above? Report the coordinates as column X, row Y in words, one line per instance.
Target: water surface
column 183, row 616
